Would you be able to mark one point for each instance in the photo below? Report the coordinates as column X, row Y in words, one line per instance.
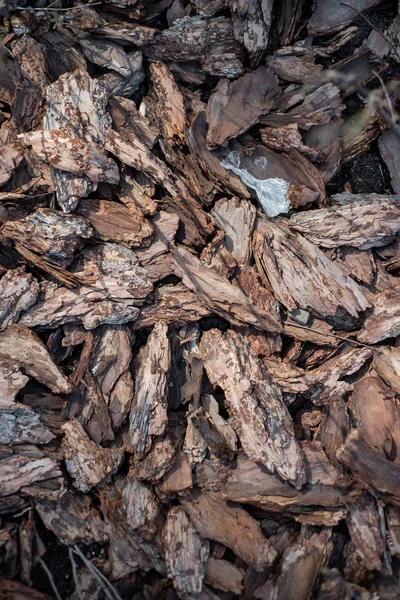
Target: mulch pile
column 199, row 300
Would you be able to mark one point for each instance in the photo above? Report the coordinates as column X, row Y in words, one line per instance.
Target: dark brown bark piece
column 329, row 17
column 208, row 41
column 266, row 428
column 251, row 24
column 363, row 523
column 236, row 106
column 389, row 147
column 210, row 164
column 19, row 424
column 14, row 590
column 72, row 519
column 106, row 54
column 228, row 524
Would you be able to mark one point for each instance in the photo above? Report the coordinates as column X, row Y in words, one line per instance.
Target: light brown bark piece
column 266, row 428
column 52, row 234
column 384, row 321
column 72, row 154
column 136, row 196
column 18, row 292
column 87, row 463
column 185, row 552
column 377, row 416
column 22, row 470
column 68, row 99
column 170, row 104
column 252, row 483
column 301, row 564
column 358, row 224
column 179, row 476
column 141, row 506
column 25, row 349
column 387, row 365
column 110, row 367
column 149, row 409
column 156, row 259
column 364, row 528
column 223, row 575
column 329, row 376
column 295, row 69
column 230, row 525
column 301, row 276
column 172, row 304
column 236, row 218
column 112, row 222
column 11, row 380
column 236, row 106
column 11, row 156
column 116, row 286
column 220, row 296
column 72, row 519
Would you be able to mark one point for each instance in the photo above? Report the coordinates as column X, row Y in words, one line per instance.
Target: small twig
column 338, row 337
column 50, row 578
column 391, row 109
column 74, row 573
column 111, row 593
column 371, row 25
column 48, row 8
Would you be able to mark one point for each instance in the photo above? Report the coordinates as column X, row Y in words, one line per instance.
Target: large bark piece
column 87, row 463
column 384, row 320
column 68, row 99
column 228, row 524
column 185, row 552
column 149, row 410
column 115, row 286
column 26, row 350
column 220, row 295
column 301, row 276
column 112, row 222
column 266, row 428
column 235, row 107
column 52, row 234
column 360, row 225
column 18, row 291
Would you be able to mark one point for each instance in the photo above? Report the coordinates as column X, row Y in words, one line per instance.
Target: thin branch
column 370, row 24
column 111, row 593
column 333, row 335
column 50, row 578
column 74, row 573
column 57, row 9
